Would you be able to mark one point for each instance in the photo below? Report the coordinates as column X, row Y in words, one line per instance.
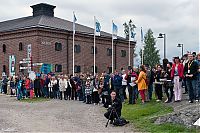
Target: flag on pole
column 74, row 21
column 97, row 27
column 131, row 35
column 142, row 37
column 114, row 30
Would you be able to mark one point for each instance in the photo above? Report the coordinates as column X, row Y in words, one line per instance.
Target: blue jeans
column 150, row 90
column 192, row 88
column 19, row 93
column 120, row 92
column 198, row 86
column 133, row 92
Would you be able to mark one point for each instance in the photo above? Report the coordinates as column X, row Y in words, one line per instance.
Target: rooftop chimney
column 43, row 9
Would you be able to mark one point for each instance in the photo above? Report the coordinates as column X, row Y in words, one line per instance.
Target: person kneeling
column 114, row 106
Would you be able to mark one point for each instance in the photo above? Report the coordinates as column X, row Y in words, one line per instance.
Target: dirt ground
column 53, row 116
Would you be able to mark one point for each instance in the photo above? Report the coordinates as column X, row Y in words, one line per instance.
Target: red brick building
column 51, row 41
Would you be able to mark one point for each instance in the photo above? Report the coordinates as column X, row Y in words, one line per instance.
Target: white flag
column 74, row 21
column 115, row 30
column 97, row 28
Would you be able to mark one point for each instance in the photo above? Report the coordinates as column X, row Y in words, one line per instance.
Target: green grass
column 142, row 115
column 34, row 100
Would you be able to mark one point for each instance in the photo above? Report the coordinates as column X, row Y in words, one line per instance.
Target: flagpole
column 129, row 48
column 73, row 45
column 94, row 45
column 112, row 50
column 142, row 47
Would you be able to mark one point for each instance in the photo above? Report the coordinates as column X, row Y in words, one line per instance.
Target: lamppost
column 180, row 45
column 162, row 35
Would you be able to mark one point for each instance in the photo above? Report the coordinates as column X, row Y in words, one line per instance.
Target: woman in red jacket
column 177, row 76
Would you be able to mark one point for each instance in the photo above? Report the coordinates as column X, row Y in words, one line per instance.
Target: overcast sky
column 178, row 19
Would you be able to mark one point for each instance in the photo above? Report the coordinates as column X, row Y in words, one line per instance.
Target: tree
column 151, row 54
column 126, row 28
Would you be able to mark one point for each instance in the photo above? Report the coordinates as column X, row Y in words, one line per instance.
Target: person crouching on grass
column 141, row 81
column 114, row 106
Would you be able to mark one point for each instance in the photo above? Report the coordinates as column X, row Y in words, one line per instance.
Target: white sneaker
column 158, row 100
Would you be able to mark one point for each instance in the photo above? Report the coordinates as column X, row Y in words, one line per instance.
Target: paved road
column 53, row 116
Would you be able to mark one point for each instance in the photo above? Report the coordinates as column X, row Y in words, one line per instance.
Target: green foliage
column 151, row 54
column 126, row 27
column 142, row 117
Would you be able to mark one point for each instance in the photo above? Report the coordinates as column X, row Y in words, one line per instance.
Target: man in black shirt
column 191, row 72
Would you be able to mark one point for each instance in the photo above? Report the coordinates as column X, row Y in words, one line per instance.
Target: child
column 31, row 89
column 88, row 91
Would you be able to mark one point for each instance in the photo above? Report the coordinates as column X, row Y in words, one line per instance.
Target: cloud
column 179, row 19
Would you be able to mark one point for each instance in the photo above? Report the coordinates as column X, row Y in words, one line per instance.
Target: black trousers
column 74, row 94
column 68, row 93
column 5, row 89
column 124, row 91
column 169, row 95
column 112, row 114
column 37, row 92
column 88, row 99
column 95, row 97
column 158, row 91
column 61, row 95
column 104, row 98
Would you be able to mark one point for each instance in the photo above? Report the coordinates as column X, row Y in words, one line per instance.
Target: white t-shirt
column 124, row 81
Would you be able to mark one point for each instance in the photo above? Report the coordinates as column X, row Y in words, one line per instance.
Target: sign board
column 12, row 62
column 46, row 68
column 32, row 75
column 29, row 56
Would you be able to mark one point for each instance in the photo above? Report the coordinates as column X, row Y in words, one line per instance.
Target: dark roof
column 46, row 22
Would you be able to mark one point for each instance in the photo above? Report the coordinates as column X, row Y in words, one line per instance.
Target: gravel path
column 53, row 116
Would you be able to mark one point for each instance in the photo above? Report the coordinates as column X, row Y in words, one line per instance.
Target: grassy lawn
column 35, row 100
column 141, row 117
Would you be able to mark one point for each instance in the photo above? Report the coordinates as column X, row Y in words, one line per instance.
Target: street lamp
column 162, row 35
column 180, row 45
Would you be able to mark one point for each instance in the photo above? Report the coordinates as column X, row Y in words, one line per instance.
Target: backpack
column 120, row 122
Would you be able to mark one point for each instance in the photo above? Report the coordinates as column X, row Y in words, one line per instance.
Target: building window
column 92, row 50
column 58, row 68
column 109, row 52
column 77, row 48
column 4, row 48
column 109, row 69
column 4, row 68
column 95, row 69
column 21, row 47
column 77, row 69
column 123, row 53
column 58, row 46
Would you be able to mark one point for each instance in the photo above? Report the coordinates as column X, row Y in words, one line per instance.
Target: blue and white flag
column 74, row 21
column 97, row 27
column 142, row 37
column 131, row 35
column 114, row 31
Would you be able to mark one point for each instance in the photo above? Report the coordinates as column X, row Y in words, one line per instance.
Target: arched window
column 4, row 68
column 58, row 68
column 4, row 48
column 58, row 46
column 20, row 46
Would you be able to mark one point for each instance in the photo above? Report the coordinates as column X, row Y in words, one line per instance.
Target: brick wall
column 43, row 50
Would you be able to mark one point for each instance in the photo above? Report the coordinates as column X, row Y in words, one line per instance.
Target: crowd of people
column 167, row 79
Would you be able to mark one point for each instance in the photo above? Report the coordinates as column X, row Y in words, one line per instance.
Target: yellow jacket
column 141, row 81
